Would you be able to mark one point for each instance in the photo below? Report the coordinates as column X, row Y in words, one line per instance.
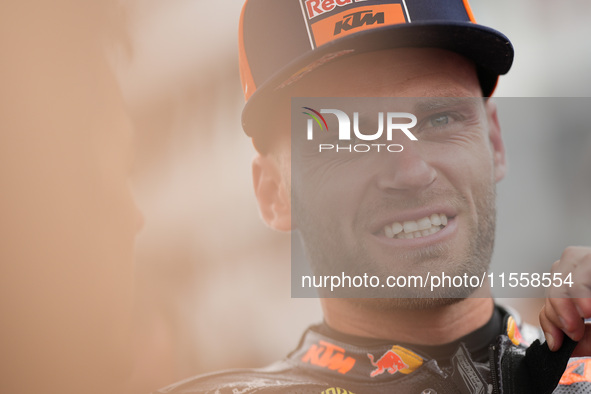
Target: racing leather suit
column 497, row 358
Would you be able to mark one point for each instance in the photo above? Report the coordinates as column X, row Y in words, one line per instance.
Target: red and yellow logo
column 513, row 332
column 397, row 359
column 316, row 8
column 336, row 390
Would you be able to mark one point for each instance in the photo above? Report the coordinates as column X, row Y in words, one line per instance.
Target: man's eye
column 439, row 120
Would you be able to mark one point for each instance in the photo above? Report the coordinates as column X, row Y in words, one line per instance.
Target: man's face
column 343, row 204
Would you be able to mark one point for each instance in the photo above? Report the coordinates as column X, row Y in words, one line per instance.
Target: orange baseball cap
column 283, row 40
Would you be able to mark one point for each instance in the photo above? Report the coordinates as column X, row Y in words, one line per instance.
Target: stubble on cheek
column 331, row 254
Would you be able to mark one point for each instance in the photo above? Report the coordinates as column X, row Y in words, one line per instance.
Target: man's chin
column 389, row 304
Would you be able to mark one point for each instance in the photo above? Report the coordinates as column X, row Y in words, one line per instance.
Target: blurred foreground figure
column 67, row 218
column 427, row 209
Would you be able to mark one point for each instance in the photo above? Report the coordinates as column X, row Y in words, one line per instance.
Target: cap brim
column 489, row 49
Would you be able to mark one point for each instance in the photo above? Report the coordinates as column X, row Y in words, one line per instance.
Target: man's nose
column 408, row 170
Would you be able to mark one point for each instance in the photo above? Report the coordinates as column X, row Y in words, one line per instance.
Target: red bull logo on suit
column 390, row 362
column 397, row 359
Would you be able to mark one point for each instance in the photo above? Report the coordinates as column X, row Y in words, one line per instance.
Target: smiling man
column 428, row 208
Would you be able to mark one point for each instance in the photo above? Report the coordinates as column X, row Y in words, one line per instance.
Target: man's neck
column 431, row 326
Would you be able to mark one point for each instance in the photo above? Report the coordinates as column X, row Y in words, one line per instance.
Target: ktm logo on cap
column 358, row 19
column 326, row 23
column 319, row 7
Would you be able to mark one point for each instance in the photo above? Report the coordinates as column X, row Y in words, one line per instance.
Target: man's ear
column 496, row 140
column 272, row 193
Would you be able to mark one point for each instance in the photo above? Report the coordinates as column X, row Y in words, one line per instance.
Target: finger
column 583, row 348
column 563, row 313
column 552, row 332
column 558, row 268
column 575, row 254
column 583, row 306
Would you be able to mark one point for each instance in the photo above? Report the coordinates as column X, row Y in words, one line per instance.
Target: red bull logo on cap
column 397, row 359
column 315, row 8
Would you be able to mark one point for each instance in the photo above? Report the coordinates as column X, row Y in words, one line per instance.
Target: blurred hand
column 568, row 306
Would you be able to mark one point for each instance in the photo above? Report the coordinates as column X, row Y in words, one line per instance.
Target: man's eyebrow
column 436, row 103
column 423, row 105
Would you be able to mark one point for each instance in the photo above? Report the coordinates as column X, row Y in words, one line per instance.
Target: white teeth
column 435, row 220
column 389, row 232
column 416, row 229
column 410, row 227
column 424, row 223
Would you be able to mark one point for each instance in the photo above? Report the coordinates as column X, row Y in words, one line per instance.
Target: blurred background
column 212, row 281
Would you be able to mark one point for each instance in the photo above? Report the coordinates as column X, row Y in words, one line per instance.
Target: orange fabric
column 324, row 30
column 248, row 85
column 469, row 11
column 494, row 88
column 569, row 377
